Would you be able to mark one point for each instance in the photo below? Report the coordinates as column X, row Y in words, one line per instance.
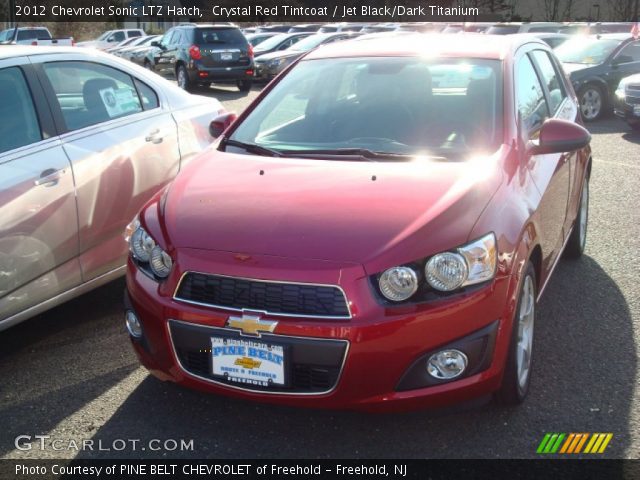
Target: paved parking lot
column 71, row 374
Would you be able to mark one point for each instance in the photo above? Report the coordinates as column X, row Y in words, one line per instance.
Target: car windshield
column 588, row 51
column 309, row 43
column 272, row 42
column 105, row 35
column 401, row 106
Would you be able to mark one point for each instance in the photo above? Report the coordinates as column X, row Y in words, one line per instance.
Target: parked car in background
column 342, row 27
column 554, row 40
column 627, row 100
column 91, row 138
column 279, row 42
column 421, row 27
column 203, row 54
column 256, row 38
column 129, row 42
column 273, row 28
column 112, row 37
column 304, row 27
column 39, row 36
column 524, row 27
column 140, row 44
column 269, row 65
column 356, row 239
column 596, row 64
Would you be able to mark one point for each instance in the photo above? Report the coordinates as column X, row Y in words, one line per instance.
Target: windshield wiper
column 354, row 152
column 251, row 148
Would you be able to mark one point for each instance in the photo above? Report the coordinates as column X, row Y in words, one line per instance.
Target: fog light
column 133, row 324
column 447, row 364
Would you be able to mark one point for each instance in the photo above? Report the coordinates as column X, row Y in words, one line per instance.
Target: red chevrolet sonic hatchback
column 373, row 232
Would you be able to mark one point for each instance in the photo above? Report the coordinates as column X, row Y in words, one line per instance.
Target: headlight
column 148, row 254
column 446, row 271
column 275, row 62
column 398, row 283
column 471, row 264
column 161, row 262
column 141, row 244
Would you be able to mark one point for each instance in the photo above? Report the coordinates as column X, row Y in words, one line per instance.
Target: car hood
column 570, row 68
column 376, row 213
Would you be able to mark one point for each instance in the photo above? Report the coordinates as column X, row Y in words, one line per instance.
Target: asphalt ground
column 71, row 374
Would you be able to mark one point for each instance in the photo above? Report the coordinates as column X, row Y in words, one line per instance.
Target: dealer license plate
column 636, row 110
column 248, row 361
column 226, row 56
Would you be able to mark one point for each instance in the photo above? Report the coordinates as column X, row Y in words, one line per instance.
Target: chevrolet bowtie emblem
column 248, row 363
column 251, row 324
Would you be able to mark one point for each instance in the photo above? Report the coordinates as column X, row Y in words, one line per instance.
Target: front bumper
column 372, row 361
column 628, row 108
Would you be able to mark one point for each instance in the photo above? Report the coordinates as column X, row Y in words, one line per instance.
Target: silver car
column 86, row 139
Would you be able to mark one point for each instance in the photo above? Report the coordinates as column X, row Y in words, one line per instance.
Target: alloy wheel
column 526, row 315
column 591, row 103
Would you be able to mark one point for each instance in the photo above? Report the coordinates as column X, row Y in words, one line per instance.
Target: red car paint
column 339, row 223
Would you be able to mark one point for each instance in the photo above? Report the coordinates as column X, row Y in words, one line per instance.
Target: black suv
column 203, row 54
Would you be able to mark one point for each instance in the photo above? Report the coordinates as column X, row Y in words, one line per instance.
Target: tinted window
column 34, row 34
column 529, row 96
column 630, row 53
column 551, row 79
column 135, row 33
column 90, row 93
column 207, row 36
column 118, row 36
column 148, row 96
column 397, row 105
column 19, row 125
column 166, row 38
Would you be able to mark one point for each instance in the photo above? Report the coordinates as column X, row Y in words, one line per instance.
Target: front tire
column 591, row 100
column 182, row 77
column 517, row 372
column 578, row 239
column 244, row 85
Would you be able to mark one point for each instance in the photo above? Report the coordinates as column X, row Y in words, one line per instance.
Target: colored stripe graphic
column 573, row 443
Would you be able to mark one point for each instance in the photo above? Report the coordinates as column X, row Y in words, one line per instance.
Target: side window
column 530, row 101
column 20, row 124
column 90, row 93
column 166, row 38
column 550, row 77
column 630, row 53
column 118, row 36
column 135, row 33
column 148, row 96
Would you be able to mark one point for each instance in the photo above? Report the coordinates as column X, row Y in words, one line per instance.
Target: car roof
column 10, row 51
column 473, row 45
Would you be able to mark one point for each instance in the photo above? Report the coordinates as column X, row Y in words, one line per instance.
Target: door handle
column 49, row 176
column 154, row 137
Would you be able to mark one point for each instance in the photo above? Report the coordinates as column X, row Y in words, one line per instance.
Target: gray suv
column 203, row 54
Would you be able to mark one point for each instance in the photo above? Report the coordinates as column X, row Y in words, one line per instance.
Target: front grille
column 289, row 299
column 313, row 364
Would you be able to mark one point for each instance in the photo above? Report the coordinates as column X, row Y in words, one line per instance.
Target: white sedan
column 86, row 139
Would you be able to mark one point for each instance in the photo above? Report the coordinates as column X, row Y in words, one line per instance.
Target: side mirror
column 155, row 43
column 559, row 136
column 219, row 124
